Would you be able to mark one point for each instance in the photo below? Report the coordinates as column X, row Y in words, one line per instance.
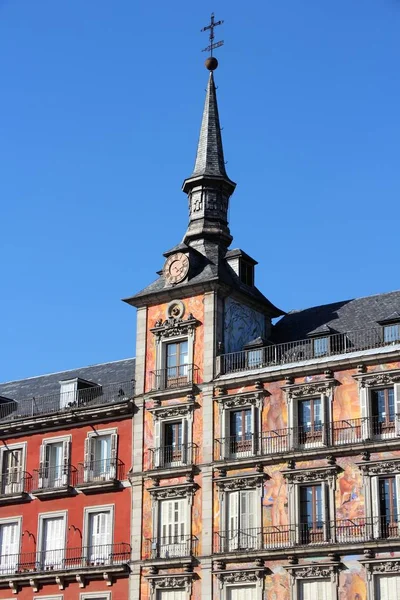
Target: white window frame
column 367, row 382
column 381, row 576
column 18, row 520
column 372, row 472
column 328, row 572
column 17, row 446
column 232, row 403
column 376, row 568
column 51, row 515
column 88, row 510
column 166, row 583
column 246, row 577
column 59, row 597
column 114, row 442
column 66, row 441
column 92, row 595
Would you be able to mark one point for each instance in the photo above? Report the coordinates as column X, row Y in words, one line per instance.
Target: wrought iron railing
column 172, row 456
column 342, row 531
column 300, row 350
column 174, row 377
column 281, row 441
column 66, row 402
column 54, row 477
column 100, row 471
column 15, row 482
column 173, row 546
column 65, row 558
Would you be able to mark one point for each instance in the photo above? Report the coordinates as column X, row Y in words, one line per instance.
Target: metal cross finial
column 210, row 27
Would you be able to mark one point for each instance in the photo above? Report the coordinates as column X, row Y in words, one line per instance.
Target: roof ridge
column 110, row 362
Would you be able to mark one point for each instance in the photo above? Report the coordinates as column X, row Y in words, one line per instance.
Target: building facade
column 255, row 460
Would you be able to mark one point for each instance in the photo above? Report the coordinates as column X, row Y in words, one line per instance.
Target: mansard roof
column 349, row 315
column 119, row 371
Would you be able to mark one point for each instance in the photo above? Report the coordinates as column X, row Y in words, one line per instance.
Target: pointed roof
column 210, row 153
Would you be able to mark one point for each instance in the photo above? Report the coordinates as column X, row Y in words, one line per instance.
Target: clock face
column 176, row 268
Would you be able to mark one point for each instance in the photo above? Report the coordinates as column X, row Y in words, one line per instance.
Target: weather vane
column 211, row 62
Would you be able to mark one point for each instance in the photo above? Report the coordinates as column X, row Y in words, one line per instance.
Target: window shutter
column 254, row 428
column 375, row 507
column 226, row 433
column 397, row 407
column 325, row 511
column 65, row 462
column 324, row 419
column 88, row 457
column 383, row 587
column 398, row 500
column 113, row 455
column 184, row 448
column 247, row 518
column 365, row 412
column 42, row 461
column 294, row 424
column 157, row 443
column 233, row 520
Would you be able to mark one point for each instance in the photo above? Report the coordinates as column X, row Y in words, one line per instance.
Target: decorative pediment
column 327, row 473
column 315, row 571
column 166, row 492
column 310, row 388
column 172, row 582
column 379, row 378
column 181, row 410
column 380, row 467
column 230, row 484
column 241, row 576
column 242, row 399
column 174, row 326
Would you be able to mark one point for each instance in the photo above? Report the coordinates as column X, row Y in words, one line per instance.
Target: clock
column 176, row 268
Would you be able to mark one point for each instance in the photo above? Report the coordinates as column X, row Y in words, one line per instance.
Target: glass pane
column 392, row 333
column 320, row 346
column 305, row 414
column 391, row 409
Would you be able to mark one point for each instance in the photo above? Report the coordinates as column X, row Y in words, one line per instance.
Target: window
column 243, row 592
column 9, row 546
column 239, row 427
column 386, row 506
column 247, row 273
column 54, row 464
column 314, row 590
column 241, row 519
column 383, row 411
column 391, row 333
column 240, row 431
column 311, row 514
column 176, row 362
column 173, row 517
column 171, row 440
column 12, row 475
column 52, row 542
column 171, row 595
column 96, row 596
column 310, row 421
column 320, row 346
column 101, row 457
column 99, row 542
column 387, row 587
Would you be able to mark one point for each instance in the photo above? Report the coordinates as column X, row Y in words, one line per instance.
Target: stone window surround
column 173, row 412
column 326, row 476
column 176, row 581
column 321, row 388
column 374, row 381
column 174, row 329
column 231, row 402
column 89, row 510
column 328, row 571
column 15, row 446
column 94, row 595
column 229, row 579
column 372, row 471
column 376, row 567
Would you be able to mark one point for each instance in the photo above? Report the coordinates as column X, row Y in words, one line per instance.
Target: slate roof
column 340, row 317
column 119, row 371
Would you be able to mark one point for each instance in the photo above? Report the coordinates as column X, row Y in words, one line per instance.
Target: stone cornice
column 230, row 484
column 311, row 475
column 314, row 571
column 381, row 566
column 310, row 388
column 380, row 467
column 181, row 409
column 181, row 490
column 174, row 326
column 241, row 576
column 241, row 399
column 378, row 378
column 175, row 582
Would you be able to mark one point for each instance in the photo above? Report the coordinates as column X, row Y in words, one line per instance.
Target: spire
column 209, row 187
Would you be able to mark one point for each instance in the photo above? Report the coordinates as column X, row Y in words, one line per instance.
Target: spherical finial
column 211, row 63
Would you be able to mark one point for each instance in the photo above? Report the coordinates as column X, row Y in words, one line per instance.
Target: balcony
column 291, row 439
column 112, row 398
column 302, row 350
column 171, row 547
column 282, row 537
column 15, row 486
column 173, row 378
column 100, row 475
column 169, row 457
column 34, row 568
column 54, row 482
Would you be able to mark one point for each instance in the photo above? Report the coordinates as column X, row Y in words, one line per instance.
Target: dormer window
column 391, row 333
column 246, row 273
column 242, row 264
column 78, row 392
column 320, row 346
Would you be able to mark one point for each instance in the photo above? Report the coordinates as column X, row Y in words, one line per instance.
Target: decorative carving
column 108, row 578
column 176, row 309
column 331, row 460
column 172, row 410
column 315, row 388
column 245, row 576
column 185, row 490
column 229, row 484
column 175, row 326
column 380, row 467
column 385, row 567
column 314, row 571
column 310, row 475
column 239, row 400
column 380, row 378
column 60, row 582
column 34, row 584
column 13, row 586
column 174, row 582
column 366, row 455
column 81, row 581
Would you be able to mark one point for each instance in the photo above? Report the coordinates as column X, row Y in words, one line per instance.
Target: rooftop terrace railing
column 66, row 402
column 300, row 350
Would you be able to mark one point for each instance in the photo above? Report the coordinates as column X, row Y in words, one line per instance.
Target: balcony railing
column 280, row 441
column 172, row 456
column 100, row 471
column 174, row 377
column 54, row 477
column 346, row 531
column 300, row 350
column 64, row 559
column 15, row 482
column 66, row 402
column 179, row 546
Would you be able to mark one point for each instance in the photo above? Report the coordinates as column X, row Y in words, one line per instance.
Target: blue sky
column 100, row 109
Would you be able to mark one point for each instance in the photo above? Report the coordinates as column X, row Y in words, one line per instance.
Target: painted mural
column 242, row 324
